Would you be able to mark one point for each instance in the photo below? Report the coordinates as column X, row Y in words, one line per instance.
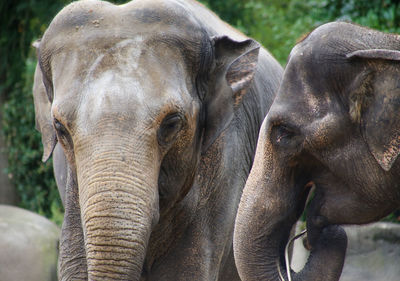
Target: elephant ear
column 232, row 76
column 379, row 101
column 43, row 117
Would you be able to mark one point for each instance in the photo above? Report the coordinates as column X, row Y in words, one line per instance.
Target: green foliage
column 276, row 24
column 279, row 24
column 21, row 23
column 231, row 11
column 379, row 14
column 33, row 179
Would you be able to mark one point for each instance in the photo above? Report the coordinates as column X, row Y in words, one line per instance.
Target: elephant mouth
column 316, row 221
column 305, row 197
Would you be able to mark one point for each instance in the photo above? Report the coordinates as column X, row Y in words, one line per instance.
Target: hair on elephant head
column 334, row 125
column 149, row 101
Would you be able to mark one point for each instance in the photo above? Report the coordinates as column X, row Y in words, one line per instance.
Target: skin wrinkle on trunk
column 119, row 206
column 255, row 260
column 135, row 239
column 72, row 257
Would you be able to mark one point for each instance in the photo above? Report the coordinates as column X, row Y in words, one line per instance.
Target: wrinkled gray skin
column 334, row 124
column 157, row 107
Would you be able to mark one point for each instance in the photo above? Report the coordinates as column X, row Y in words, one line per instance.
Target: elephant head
column 334, row 125
column 134, row 94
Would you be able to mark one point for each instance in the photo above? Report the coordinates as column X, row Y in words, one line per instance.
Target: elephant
column 330, row 138
column 155, row 107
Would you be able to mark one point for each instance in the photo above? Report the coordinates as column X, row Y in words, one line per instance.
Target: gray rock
column 373, row 253
column 28, row 246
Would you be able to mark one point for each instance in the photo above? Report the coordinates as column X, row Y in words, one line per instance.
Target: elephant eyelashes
column 169, row 128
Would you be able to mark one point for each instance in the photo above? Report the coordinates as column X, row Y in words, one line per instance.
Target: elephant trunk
column 270, row 205
column 262, row 229
column 119, row 205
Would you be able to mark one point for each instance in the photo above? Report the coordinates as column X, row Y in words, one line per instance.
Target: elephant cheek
column 336, row 207
column 349, row 210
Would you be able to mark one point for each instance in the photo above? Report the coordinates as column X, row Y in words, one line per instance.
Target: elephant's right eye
column 62, row 133
column 59, row 127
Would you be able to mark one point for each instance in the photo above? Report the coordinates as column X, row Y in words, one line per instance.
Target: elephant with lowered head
column 157, row 106
column 335, row 125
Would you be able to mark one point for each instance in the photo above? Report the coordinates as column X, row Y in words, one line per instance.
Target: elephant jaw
column 318, row 212
column 333, row 205
column 328, row 207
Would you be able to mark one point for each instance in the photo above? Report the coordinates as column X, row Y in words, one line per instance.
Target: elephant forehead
column 78, row 66
column 126, row 72
column 112, row 94
column 133, row 15
column 111, row 91
column 83, row 22
column 126, row 53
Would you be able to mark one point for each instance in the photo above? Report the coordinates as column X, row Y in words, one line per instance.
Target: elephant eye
column 282, row 135
column 59, row 126
column 169, row 128
column 62, row 133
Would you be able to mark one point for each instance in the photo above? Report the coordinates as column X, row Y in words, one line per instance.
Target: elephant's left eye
column 169, row 128
column 281, row 135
